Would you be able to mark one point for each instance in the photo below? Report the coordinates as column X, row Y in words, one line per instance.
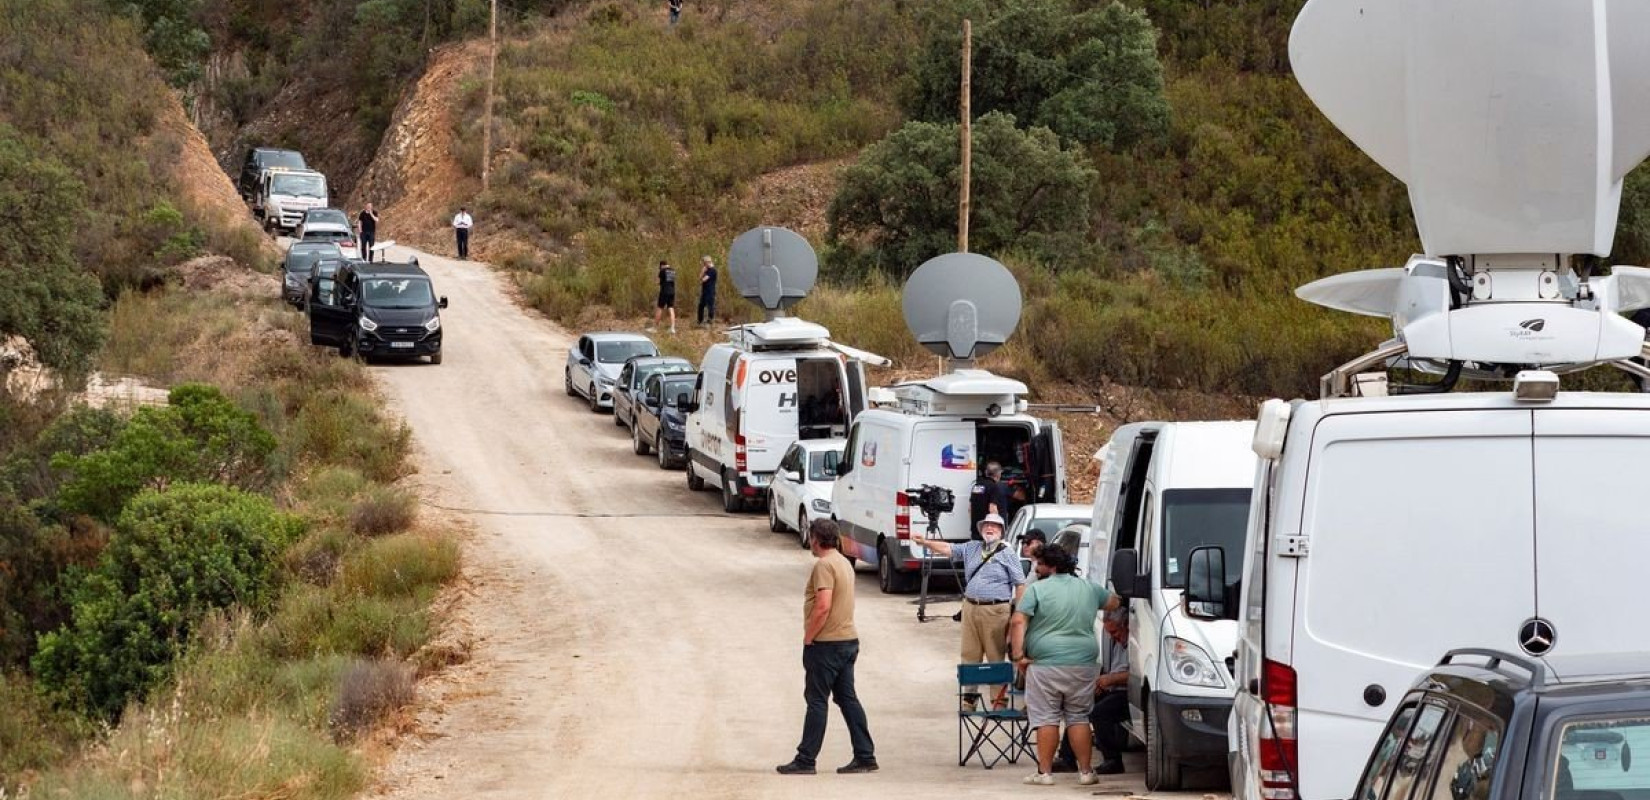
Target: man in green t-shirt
column 1052, row 638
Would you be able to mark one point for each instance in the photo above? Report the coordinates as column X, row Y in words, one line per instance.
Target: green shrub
column 347, row 428
column 176, row 555
column 408, row 565
column 32, row 734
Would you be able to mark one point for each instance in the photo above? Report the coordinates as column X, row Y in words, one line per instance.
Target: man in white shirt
column 461, row 226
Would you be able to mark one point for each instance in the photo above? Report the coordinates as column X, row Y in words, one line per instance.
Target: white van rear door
column 768, row 415
column 1420, row 539
column 944, row 453
column 1592, row 534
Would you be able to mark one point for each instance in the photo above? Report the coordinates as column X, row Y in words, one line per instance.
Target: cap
column 1033, row 535
column 992, row 518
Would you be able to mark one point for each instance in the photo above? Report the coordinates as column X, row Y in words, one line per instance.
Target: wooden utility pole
column 487, row 112
column 967, row 137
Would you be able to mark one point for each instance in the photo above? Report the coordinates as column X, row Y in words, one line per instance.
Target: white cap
column 990, row 518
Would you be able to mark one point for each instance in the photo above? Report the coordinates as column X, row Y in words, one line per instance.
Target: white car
column 801, row 487
column 594, row 363
column 332, row 226
column 1049, row 519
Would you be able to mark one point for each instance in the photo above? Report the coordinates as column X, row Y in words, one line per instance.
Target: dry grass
column 383, row 510
column 368, row 691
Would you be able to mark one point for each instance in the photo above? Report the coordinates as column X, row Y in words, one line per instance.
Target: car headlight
column 292, row 281
column 1189, row 665
column 821, row 505
column 433, row 325
column 368, row 325
column 604, row 380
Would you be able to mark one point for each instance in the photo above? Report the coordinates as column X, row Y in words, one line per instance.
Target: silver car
column 593, row 365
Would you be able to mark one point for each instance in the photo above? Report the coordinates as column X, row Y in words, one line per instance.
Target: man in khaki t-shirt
column 830, row 646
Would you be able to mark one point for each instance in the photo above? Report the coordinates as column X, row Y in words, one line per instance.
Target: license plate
column 1601, row 755
column 758, row 480
column 407, row 345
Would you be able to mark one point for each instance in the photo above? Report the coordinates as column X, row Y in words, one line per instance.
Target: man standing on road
column 1111, row 700
column 1052, row 639
column 369, row 230
column 992, row 579
column 667, row 295
column 707, row 291
column 830, row 646
column 989, row 495
column 461, row 226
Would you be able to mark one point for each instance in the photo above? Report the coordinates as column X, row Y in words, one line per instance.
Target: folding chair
column 991, row 735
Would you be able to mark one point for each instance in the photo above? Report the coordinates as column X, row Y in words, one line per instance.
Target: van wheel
column 695, row 483
column 731, row 502
column 802, row 529
column 889, row 579
column 637, row 446
column 567, row 382
column 435, row 359
column 774, row 523
column 1162, row 774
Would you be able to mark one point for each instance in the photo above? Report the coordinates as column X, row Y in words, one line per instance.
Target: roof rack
column 1495, row 658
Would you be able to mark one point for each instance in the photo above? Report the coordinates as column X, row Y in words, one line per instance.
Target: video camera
column 933, row 500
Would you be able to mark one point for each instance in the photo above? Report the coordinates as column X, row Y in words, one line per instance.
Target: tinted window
column 299, row 185
column 1595, row 760
column 620, row 352
column 1194, row 518
column 281, row 158
column 326, row 267
column 397, row 293
column 677, row 386
column 822, row 465
column 646, row 370
column 1416, row 755
column 1379, row 772
column 325, row 292
column 1467, row 760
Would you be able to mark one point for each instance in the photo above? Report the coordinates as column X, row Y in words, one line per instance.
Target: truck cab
column 284, row 195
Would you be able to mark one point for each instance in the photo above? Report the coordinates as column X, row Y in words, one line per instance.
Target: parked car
column 380, row 309
column 631, row 377
column 801, row 487
column 1487, row 725
column 593, row 364
column 329, row 225
column 1049, row 519
column 661, row 422
column 259, row 159
column 296, row 266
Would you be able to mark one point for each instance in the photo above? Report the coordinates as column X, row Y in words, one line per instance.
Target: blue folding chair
column 991, row 735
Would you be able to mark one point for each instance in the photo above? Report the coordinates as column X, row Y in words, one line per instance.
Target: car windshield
column 644, row 371
column 282, row 158
column 1053, row 525
column 670, row 387
column 822, row 465
column 331, row 215
column 327, row 236
column 1594, row 758
column 397, row 293
column 620, row 352
column 1194, row 518
column 300, row 257
column 299, row 185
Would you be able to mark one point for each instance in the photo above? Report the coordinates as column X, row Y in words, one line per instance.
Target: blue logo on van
column 957, row 456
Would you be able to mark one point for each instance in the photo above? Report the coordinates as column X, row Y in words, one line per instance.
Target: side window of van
column 1143, row 537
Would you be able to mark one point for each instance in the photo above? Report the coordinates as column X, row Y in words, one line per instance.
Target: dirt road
column 631, row 639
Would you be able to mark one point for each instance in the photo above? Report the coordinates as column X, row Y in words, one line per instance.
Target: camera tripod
column 927, row 569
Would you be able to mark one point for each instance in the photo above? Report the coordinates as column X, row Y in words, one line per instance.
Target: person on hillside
column 369, row 230
column 992, row 579
column 830, row 646
column 667, row 296
column 707, row 291
column 461, row 227
column 1051, row 639
column 675, row 11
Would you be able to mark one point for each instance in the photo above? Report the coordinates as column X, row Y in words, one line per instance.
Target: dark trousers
column 463, row 242
column 828, row 668
column 366, row 246
column 1111, row 710
column 707, row 305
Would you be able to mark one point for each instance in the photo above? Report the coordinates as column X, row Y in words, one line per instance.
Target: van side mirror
column 1207, row 595
column 845, row 466
column 682, row 402
column 1126, row 579
column 443, row 302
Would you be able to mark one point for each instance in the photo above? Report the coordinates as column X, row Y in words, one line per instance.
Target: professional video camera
column 934, row 501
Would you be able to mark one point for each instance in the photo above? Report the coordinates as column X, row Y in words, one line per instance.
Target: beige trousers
column 984, row 633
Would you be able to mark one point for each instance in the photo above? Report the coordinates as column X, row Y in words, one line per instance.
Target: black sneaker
column 857, row 766
column 794, row 768
column 1111, row 766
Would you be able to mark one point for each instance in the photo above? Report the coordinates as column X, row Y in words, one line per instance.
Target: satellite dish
column 1513, row 122
column 772, row 267
column 961, row 305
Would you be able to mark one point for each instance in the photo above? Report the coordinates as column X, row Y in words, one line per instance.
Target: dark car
column 297, row 265
column 1486, row 725
column 373, row 310
column 661, row 422
column 631, row 377
column 259, row 159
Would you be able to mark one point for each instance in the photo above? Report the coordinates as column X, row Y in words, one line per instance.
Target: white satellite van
column 1166, row 489
column 1392, row 523
column 944, row 432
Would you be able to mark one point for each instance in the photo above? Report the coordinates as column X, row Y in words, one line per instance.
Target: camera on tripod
column 933, row 500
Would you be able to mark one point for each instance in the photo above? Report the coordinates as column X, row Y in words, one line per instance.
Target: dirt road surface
column 631, row 640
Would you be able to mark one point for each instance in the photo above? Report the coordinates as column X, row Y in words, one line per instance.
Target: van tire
column 637, row 446
column 435, row 359
column 775, row 524
column 695, row 483
column 889, row 579
column 1162, row 773
column 732, row 503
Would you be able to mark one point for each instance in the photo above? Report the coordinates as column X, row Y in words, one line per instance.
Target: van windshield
column 1194, row 518
column 299, row 185
column 397, row 293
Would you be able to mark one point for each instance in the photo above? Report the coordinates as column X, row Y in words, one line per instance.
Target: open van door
column 856, row 386
column 330, row 319
column 1048, row 463
column 822, row 401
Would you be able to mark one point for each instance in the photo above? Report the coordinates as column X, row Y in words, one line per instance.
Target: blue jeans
column 828, row 668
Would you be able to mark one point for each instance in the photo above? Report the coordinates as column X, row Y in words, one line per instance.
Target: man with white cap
column 992, row 580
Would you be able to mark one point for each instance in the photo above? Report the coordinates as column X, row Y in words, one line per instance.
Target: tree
column 1090, row 75
column 172, row 35
column 897, row 206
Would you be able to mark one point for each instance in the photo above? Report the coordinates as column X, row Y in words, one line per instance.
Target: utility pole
column 487, row 113
column 967, row 137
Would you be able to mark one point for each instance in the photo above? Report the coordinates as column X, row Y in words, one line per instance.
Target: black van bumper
column 1193, row 728
column 375, row 346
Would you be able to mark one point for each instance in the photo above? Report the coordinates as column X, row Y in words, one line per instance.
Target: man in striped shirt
column 993, row 580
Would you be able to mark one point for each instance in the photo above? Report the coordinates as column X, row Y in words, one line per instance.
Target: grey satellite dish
column 772, row 267
column 961, row 305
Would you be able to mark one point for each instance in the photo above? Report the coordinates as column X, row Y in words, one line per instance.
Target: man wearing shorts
column 1051, row 637
column 667, row 295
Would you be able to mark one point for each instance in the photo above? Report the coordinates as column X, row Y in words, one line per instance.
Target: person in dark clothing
column 988, row 496
column 675, row 10
column 369, row 230
column 707, row 291
column 462, row 222
column 667, row 295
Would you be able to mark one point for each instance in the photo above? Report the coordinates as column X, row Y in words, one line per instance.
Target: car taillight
column 346, row 244
column 1278, row 745
column 902, row 515
column 739, row 460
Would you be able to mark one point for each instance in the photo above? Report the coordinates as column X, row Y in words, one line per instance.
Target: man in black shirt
column 707, row 291
column 667, row 295
column 988, row 496
column 369, row 230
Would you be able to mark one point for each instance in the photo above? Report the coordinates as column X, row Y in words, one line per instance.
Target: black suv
column 661, row 424
column 379, row 309
column 1486, row 725
column 259, row 159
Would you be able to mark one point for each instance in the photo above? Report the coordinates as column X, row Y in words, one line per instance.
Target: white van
column 1166, row 489
column 284, row 196
column 769, row 385
column 945, row 431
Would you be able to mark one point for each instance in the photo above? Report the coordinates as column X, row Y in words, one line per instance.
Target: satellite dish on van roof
column 1513, row 122
column 772, row 267
column 961, row 305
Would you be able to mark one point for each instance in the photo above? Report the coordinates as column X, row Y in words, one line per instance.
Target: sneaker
column 794, row 768
column 1039, row 779
column 1086, row 779
column 673, row 329
column 1111, row 766
column 857, row 766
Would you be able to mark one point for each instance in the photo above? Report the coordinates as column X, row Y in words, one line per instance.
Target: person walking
column 707, row 291
column 830, row 646
column 461, row 227
column 992, row 579
column 667, row 295
column 368, row 222
column 1051, row 638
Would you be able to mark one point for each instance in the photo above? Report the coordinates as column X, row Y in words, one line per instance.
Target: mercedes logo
column 1537, row 636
